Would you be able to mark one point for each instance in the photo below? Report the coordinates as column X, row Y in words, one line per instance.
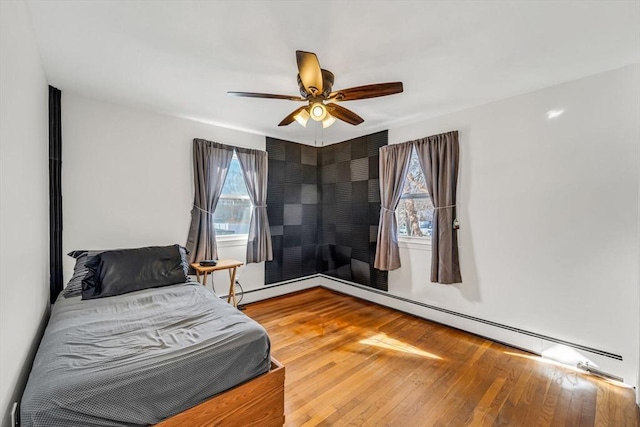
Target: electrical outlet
column 15, row 415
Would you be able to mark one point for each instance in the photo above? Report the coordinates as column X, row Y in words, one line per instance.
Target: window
column 415, row 210
column 233, row 212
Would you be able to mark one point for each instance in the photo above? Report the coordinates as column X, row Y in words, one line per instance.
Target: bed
column 174, row 355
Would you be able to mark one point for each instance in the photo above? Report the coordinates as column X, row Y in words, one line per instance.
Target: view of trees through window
column 415, row 210
column 233, row 212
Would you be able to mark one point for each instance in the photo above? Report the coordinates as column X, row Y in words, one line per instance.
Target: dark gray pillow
column 184, row 254
column 127, row 270
column 74, row 287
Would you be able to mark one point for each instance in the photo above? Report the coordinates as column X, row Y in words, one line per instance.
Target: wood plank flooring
column 354, row 363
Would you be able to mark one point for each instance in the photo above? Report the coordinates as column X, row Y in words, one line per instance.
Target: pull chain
column 315, row 135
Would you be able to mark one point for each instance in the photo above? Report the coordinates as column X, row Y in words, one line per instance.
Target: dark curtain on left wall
column 55, row 194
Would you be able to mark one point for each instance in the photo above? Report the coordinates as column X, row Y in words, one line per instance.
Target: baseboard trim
column 286, row 282
column 276, row 289
column 479, row 320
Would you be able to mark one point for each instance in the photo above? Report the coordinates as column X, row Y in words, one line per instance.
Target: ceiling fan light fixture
column 302, row 117
column 318, row 111
column 328, row 121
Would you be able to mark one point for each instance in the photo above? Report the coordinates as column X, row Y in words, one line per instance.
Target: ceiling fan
column 316, row 85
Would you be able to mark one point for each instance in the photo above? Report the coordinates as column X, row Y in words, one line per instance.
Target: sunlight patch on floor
column 383, row 341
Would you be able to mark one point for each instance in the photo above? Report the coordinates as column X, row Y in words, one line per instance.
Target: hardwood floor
column 351, row 362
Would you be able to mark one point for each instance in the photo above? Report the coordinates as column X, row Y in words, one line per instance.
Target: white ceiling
column 181, row 57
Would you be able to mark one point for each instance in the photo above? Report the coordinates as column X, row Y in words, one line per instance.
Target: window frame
column 229, row 239
column 412, row 242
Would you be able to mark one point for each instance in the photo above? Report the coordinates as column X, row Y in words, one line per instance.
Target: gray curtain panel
column 394, row 163
column 439, row 158
column 210, row 166
column 254, row 169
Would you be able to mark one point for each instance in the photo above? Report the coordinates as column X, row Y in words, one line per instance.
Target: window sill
column 419, row 243
column 235, row 240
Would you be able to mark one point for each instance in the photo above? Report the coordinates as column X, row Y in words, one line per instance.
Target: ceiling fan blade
column 291, row 117
column 266, row 95
column 310, row 72
column 367, row 91
column 339, row 112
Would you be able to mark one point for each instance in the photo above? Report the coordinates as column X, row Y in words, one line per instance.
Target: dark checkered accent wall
column 351, row 209
column 292, row 206
column 324, row 205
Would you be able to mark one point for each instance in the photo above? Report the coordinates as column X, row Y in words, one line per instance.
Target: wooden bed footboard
column 258, row 402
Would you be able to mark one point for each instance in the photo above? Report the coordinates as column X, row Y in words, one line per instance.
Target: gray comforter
column 138, row 358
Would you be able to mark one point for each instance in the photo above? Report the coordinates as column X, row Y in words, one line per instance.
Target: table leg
column 232, row 287
column 197, row 275
column 204, row 278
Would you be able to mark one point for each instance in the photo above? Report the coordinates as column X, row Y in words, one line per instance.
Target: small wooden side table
column 223, row 264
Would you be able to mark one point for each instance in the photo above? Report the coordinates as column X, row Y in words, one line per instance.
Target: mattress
column 137, row 358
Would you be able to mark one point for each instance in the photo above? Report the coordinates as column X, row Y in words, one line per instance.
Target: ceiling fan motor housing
column 327, row 85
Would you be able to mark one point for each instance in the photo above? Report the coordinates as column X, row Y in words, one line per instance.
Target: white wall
column 127, row 180
column 24, row 200
column 549, row 216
